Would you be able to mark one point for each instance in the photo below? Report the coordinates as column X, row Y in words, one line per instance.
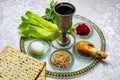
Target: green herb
column 71, row 29
column 35, row 26
column 50, row 14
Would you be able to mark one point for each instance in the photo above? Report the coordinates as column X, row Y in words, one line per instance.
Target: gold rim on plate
column 79, row 72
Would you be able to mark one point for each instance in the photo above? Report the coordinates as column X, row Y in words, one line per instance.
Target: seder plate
column 81, row 63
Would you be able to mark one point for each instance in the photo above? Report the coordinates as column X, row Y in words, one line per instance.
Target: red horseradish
column 82, row 29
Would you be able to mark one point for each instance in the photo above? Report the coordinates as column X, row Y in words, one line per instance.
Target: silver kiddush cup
column 64, row 12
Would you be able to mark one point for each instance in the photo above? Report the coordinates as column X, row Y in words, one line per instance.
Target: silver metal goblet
column 64, row 12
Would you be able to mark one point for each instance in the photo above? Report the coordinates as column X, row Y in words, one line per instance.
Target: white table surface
column 104, row 13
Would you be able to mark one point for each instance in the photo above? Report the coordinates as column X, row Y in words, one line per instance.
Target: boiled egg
column 37, row 48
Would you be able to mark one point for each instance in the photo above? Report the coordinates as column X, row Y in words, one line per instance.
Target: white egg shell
column 37, row 48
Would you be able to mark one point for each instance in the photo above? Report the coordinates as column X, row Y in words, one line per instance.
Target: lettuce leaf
column 35, row 26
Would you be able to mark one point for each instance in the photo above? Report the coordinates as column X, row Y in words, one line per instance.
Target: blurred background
column 104, row 13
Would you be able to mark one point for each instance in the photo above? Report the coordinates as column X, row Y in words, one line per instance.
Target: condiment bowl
column 46, row 48
column 83, row 36
column 70, row 63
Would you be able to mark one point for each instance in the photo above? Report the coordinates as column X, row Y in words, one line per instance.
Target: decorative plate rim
column 79, row 72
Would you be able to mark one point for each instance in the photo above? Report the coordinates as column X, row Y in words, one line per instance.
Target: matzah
column 15, row 65
column 42, row 76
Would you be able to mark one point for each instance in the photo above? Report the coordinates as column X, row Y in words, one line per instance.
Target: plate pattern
column 85, row 69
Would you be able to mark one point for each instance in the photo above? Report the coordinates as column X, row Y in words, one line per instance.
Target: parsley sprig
column 49, row 12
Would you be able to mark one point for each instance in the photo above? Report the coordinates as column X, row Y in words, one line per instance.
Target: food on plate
column 35, row 27
column 36, row 48
column 50, row 13
column 60, row 58
column 89, row 49
column 82, row 29
column 15, row 65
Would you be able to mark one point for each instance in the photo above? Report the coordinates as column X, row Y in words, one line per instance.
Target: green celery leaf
column 35, row 26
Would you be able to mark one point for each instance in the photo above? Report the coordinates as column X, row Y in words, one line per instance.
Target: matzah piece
column 15, row 65
column 42, row 76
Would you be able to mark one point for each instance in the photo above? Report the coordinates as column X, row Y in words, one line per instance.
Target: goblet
column 64, row 12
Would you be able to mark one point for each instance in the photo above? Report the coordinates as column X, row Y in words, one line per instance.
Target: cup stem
column 63, row 39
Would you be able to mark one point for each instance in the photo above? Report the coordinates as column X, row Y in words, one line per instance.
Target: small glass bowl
column 85, row 36
column 71, row 60
column 46, row 47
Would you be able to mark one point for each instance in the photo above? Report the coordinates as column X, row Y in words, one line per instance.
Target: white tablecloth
column 104, row 13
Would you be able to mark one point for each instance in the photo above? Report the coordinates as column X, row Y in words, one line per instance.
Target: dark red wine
column 65, row 9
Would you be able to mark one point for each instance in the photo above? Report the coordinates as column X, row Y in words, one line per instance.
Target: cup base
column 56, row 44
column 63, row 42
